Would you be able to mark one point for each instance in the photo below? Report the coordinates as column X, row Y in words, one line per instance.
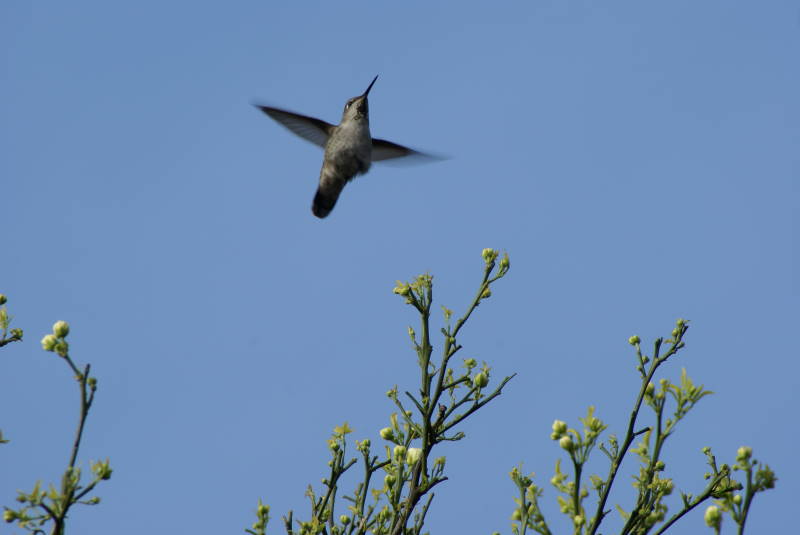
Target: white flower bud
column 413, row 455
column 61, row 329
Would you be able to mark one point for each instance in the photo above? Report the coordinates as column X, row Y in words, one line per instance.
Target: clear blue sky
column 638, row 160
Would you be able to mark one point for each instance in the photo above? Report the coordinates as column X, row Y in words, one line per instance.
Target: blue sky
column 637, row 160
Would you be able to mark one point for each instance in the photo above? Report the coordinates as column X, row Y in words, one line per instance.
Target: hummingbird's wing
column 386, row 150
column 314, row 130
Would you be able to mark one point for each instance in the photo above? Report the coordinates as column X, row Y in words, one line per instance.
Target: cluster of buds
column 409, row 456
column 102, row 469
column 262, row 513
column 764, row 476
column 560, row 433
column 559, row 430
column 363, row 446
column 680, row 328
column 5, row 320
column 399, row 453
column 743, row 455
column 417, row 292
column 490, row 256
column 338, row 440
column 402, row 288
column 56, row 341
column 593, row 426
column 662, row 486
column 519, row 479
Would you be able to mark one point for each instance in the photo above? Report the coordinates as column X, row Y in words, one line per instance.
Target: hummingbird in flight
column 349, row 147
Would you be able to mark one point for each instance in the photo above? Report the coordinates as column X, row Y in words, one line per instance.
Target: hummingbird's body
column 349, row 147
column 348, row 153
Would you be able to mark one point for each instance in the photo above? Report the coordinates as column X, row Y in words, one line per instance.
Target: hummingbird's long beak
column 370, row 86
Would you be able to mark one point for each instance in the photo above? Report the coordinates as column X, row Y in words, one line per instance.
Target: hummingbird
column 349, row 147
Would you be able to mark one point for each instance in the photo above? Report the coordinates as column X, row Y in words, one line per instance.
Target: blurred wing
column 383, row 150
column 386, row 150
column 308, row 128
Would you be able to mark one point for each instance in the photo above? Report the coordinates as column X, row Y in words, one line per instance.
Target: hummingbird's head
column 358, row 107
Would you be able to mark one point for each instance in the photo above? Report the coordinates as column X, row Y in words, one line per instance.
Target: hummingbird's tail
column 325, row 199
